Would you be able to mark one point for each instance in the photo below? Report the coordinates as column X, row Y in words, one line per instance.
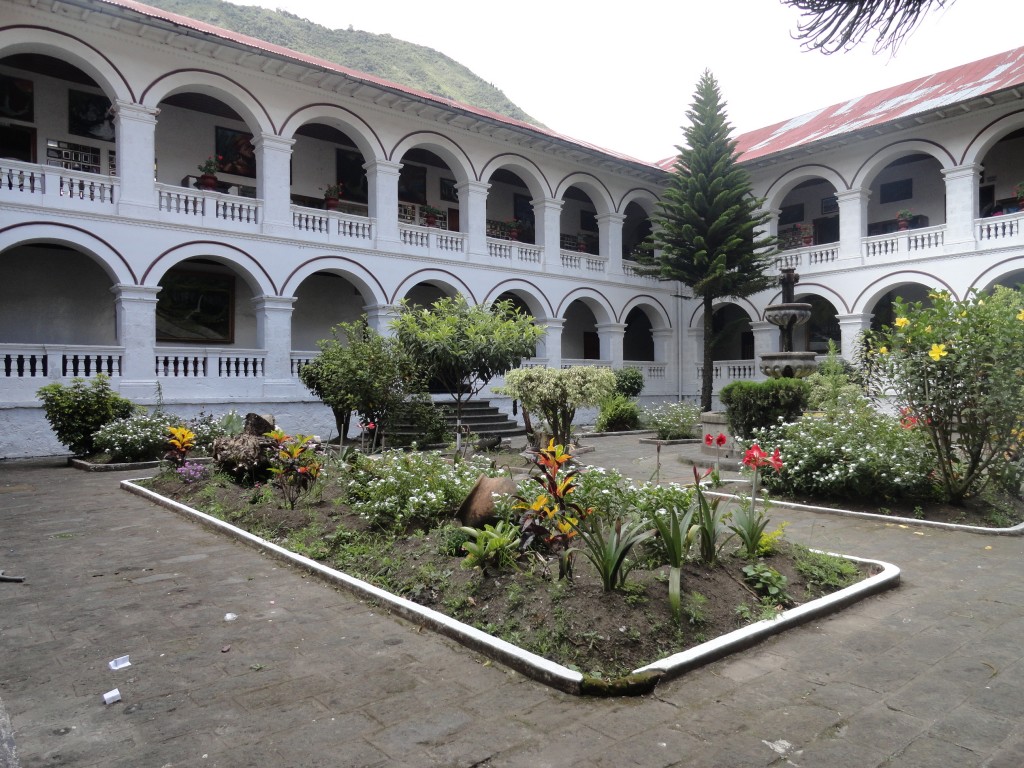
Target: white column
column 273, row 182
column 611, row 335
column 473, row 215
column 135, row 127
column 274, row 334
column 853, row 216
column 136, row 332
column 609, row 240
column 547, row 215
column 772, row 225
column 692, row 360
column 665, row 353
column 379, row 317
column 382, row 183
column 850, row 329
column 551, row 346
column 961, row 206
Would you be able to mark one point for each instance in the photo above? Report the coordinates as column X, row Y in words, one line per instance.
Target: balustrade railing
column 727, row 371
column 569, row 363
column 999, row 230
column 183, row 201
column 300, row 360
column 17, row 178
column 183, row 363
column 37, row 361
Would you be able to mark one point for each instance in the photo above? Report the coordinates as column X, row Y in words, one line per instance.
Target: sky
column 622, row 75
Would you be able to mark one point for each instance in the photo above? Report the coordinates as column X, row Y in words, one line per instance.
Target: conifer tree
column 707, row 224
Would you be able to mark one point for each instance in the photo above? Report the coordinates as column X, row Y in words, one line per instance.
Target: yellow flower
column 902, row 322
column 928, row 328
column 938, row 351
column 1020, row 315
column 883, row 350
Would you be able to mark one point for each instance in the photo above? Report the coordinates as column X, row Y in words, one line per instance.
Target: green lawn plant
column 141, row 436
column 953, row 368
column 608, row 544
column 77, row 410
column 674, row 421
column 710, row 521
column 295, row 465
column 495, row 545
column 618, row 414
column 677, row 534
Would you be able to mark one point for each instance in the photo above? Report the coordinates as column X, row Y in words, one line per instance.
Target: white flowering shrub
column 674, row 421
column 396, row 489
column 556, row 394
column 850, row 451
column 141, row 437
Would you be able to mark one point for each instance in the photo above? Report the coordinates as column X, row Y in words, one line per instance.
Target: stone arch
column 524, row 168
column 109, row 259
column 875, row 290
column 787, row 182
column 874, row 164
column 990, row 135
column 642, row 197
column 530, row 294
column 91, row 60
column 653, row 307
column 597, row 302
column 459, row 162
column 447, row 282
column 350, row 269
column 592, row 186
column 217, row 86
column 248, row 267
column 818, row 289
column 996, row 273
column 697, row 316
column 346, row 121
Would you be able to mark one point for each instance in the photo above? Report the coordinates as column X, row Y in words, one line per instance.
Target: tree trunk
column 708, row 377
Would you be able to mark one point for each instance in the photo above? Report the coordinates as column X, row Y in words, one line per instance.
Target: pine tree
column 707, row 225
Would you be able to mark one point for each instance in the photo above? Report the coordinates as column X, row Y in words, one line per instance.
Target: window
column 894, row 191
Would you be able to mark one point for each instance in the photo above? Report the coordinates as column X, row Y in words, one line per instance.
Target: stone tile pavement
column 930, row 674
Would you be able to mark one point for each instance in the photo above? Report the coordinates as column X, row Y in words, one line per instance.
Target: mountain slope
column 408, row 64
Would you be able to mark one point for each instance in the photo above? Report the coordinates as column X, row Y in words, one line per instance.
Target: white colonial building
column 120, row 257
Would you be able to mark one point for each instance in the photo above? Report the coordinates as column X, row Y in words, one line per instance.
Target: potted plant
column 430, row 215
column 208, row 172
column 903, row 217
column 333, row 193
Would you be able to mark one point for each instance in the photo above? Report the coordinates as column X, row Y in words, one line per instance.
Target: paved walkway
column 930, row 674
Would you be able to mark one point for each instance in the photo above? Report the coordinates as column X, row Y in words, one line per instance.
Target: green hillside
column 415, row 66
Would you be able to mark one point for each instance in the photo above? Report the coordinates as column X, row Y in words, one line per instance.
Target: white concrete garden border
column 530, row 664
column 1016, row 530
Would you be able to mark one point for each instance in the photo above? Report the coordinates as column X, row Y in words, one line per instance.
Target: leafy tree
column 954, row 370
column 360, row 370
column 556, row 394
column 707, row 222
column 464, row 346
column 836, row 25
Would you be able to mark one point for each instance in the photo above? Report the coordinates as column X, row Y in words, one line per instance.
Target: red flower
column 776, row 461
column 708, row 440
column 720, row 440
column 754, row 456
column 907, row 420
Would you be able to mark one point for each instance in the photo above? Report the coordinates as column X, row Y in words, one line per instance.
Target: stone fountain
column 788, row 364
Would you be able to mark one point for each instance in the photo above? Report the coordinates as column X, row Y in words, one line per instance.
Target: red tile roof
column 280, row 51
column 927, row 94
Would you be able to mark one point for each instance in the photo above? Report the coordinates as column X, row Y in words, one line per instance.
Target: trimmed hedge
column 751, row 405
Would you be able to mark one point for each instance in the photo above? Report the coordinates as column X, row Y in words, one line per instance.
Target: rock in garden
column 478, row 508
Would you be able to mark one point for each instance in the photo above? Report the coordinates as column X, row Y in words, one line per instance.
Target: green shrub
column 674, row 421
column 139, row 437
column 618, row 414
column 751, row 405
column 77, row 410
column 629, row 382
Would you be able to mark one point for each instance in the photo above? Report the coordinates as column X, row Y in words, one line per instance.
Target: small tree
column 361, row 370
column 78, row 410
column 954, row 370
column 556, row 394
column 707, row 221
column 464, row 346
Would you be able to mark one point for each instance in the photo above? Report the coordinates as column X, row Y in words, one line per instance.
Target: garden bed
column 567, row 633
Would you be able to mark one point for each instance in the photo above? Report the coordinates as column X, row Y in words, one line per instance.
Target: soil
column 573, row 621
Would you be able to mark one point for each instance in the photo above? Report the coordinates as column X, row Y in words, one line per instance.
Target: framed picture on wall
column 348, row 169
column 829, row 205
column 412, row 184
column 236, row 151
column 17, row 98
column 196, row 307
column 448, row 191
column 89, row 114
